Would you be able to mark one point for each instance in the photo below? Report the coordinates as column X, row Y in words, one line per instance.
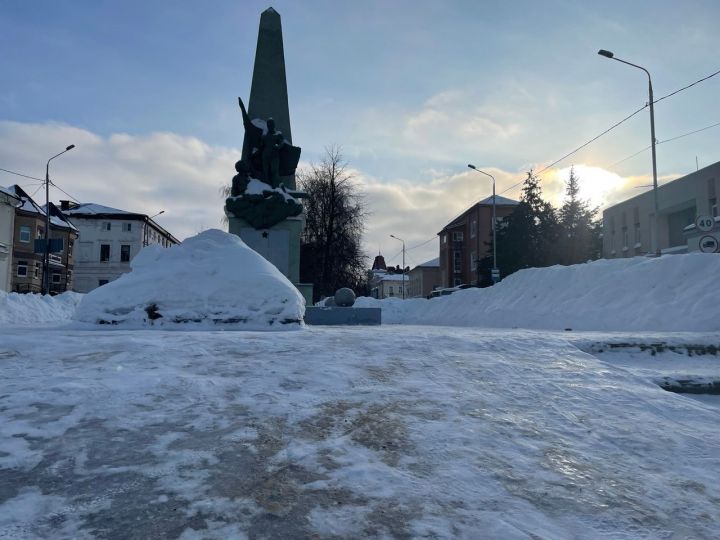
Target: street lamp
column 495, row 272
column 608, row 54
column 403, row 270
column 46, row 258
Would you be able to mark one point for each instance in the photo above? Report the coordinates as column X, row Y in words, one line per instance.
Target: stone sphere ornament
column 344, row 297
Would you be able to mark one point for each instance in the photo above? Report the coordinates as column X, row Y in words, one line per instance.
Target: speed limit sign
column 705, row 223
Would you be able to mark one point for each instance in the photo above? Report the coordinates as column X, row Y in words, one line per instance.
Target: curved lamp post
column 403, row 271
column 608, row 54
column 495, row 271
column 46, row 258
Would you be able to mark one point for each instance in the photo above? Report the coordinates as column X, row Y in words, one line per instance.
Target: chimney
column 64, row 205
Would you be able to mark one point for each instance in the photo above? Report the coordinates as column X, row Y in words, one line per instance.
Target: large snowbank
column 23, row 309
column 212, row 279
column 670, row 293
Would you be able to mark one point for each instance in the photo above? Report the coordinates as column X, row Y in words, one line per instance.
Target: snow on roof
column 395, row 277
column 8, row 191
column 433, row 263
column 92, row 208
column 500, row 200
column 28, row 204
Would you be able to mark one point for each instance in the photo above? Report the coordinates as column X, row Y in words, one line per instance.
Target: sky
column 412, row 91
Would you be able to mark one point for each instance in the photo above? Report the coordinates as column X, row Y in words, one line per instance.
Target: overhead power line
column 65, row 192
column 615, row 125
column 665, row 141
column 23, row 175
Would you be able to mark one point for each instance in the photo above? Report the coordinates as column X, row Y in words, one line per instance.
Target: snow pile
column 212, row 279
column 671, row 293
column 37, row 308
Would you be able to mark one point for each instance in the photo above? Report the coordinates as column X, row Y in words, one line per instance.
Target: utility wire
column 23, row 175
column 663, row 142
column 422, row 244
column 65, row 192
column 613, row 127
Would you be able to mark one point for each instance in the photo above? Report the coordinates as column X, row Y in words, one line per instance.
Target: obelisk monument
column 264, row 208
column 268, row 93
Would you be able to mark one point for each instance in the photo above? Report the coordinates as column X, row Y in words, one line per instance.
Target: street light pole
column 608, row 54
column 46, row 258
column 403, row 269
column 495, row 271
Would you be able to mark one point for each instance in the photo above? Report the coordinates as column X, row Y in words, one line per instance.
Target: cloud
column 146, row 173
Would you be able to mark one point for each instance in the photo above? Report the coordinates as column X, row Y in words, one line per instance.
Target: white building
column 8, row 202
column 109, row 240
column 628, row 227
column 386, row 282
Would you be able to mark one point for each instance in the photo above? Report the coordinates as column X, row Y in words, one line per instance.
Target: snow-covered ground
column 671, row 293
column 31, row 309
column 397, row 431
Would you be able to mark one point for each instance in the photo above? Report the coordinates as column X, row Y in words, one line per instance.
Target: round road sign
column 705, row 223
column 708, row 244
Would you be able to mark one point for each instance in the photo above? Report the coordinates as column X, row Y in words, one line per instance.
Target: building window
column 457, row 262
column 125, row 253
column 457, row 236
column 104, row 252
column 713, row 207
column 444, row 238
column 390, row 291
column 56, row 277
column 102, row 282
column 473, row 228
column 473, row 261
column 456, row 282
column 25, row 234
column 127, row 227
column 22, row 269
column 625, row 238
column 106, row 226
column 40, row 232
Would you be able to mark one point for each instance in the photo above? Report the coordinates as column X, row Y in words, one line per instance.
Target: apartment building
column 27, row 260
column 467, row 239
column 109, row 239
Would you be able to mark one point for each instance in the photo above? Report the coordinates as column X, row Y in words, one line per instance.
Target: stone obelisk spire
column 268, row 94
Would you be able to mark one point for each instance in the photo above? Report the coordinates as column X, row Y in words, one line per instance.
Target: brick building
column 467, row 239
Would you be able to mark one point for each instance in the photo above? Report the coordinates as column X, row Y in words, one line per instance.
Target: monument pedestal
column 279, row 244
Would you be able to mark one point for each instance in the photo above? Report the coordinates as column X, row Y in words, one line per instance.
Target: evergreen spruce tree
column 528, row 237
column 578, row 231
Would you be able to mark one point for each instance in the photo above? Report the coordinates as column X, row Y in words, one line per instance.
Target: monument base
column 331, row 316
column 279, row 244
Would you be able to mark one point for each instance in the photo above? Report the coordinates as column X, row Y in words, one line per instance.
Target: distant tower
column 379, row 263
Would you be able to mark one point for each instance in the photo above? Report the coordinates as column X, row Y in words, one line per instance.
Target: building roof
column 499, row 201
column 9, row 193
column 433, row 263
column 93, row 209
column 394, row 277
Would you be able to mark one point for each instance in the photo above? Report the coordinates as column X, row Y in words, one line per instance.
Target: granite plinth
column 348, row 316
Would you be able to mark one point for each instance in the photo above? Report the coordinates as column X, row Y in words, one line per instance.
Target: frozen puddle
column 385, row 432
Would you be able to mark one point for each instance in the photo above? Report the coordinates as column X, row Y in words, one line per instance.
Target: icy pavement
column 383, row 432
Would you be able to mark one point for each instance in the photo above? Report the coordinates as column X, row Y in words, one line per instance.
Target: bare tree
column 331, row 251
